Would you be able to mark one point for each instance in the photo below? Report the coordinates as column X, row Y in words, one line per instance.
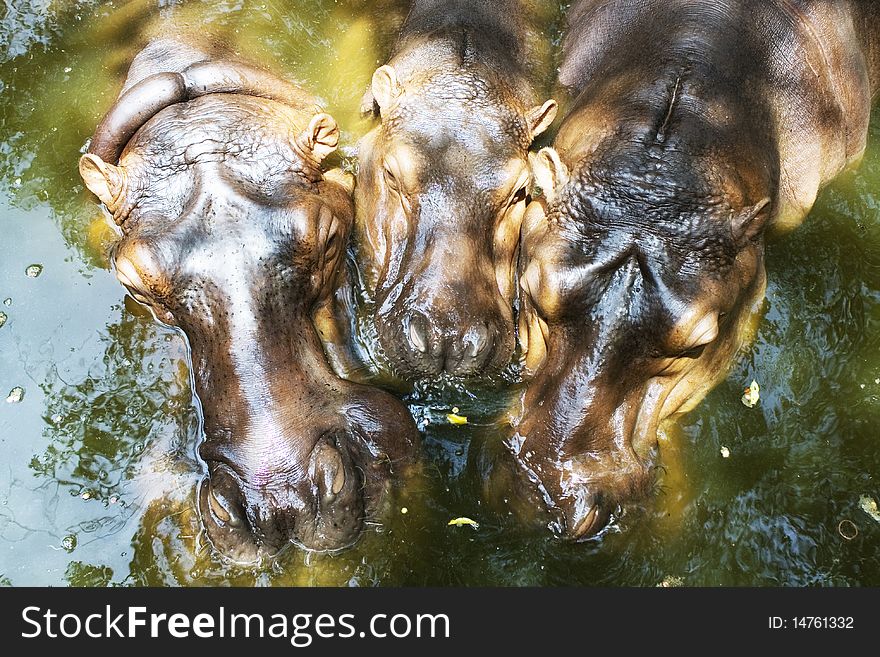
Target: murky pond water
column 99, row 431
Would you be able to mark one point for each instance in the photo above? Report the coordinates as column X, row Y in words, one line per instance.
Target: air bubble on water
column 113, row 499
column 17, row 182
column 15, row 395
column 7, row 301
column 69, row 542
column 86, row 495
column 57, row 418
column 33, row 271
column 67, row 69
column 103, row 474
column 3, row 318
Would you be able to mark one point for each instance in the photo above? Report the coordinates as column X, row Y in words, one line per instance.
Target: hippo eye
column 520, row 195
column 391, row 179
column 394, row 185
column 693, row 352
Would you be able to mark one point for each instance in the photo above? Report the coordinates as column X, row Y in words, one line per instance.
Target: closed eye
column 391, row 179
column 394, row 185
column 693, row 352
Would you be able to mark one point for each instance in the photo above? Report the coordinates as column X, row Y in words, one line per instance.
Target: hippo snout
column 317, row 507
column 434, row 347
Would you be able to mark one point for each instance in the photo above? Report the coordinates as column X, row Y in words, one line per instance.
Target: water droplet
column 15, row 395
column 33, row 271
column 7, row 301
column 69, row 542
column 3, row 318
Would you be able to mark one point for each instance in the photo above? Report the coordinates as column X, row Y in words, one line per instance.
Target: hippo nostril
column 329, row 471
column 339, row 479
column 417, row 335
column 586, row 525
column 479, row 340
column 218, row 509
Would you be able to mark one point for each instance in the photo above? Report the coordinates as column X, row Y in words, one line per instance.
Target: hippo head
column 232, row 233
column 441, row 195
column 639, row 277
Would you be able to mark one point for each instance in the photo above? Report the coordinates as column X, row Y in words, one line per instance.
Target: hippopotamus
column 442, row 183
column 232, row 232
column 694, row 128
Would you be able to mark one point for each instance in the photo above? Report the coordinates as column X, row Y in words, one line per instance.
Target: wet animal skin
column 443, row 181
column 695, row 127
column 232, row 232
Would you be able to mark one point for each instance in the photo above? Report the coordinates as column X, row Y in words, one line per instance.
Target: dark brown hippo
column 443, row 180
column 695, row 127
column 231, row 232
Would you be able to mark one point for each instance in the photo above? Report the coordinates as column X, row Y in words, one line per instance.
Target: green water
column 97, row 461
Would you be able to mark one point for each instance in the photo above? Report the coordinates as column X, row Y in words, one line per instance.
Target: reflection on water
column 98, row 467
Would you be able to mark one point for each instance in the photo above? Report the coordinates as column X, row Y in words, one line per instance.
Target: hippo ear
column 550, row 173
column 386, row 89
column 105, row 181
column 748, row 223
column 541, row 117
column 321, row 137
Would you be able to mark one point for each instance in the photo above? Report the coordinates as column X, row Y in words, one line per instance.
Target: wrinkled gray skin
column 232, row 232
column 442, row 183
column 695, row 126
